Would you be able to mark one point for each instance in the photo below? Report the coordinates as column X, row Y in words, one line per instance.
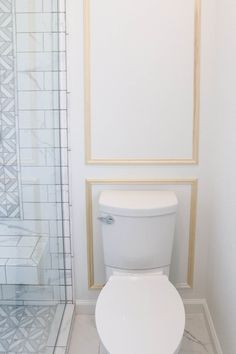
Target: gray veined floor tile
column 195, row 323
column 84, row 336
column 196, row 340
column 196, row 337
column 189, row 347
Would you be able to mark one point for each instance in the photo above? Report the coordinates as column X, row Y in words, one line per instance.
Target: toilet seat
column 139, row 314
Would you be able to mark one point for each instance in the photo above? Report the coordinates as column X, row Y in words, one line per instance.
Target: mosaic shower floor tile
column 25, row 329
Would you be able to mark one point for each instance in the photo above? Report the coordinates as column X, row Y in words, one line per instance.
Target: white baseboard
column 87, row 307
column 212, row 330
column 193, row 305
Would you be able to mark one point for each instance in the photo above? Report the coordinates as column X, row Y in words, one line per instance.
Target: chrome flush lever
column 107, row 219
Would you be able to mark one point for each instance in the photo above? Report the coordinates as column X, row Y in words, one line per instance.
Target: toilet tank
column 137, row 228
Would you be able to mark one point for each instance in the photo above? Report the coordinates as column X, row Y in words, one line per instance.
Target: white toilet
column 139, row 311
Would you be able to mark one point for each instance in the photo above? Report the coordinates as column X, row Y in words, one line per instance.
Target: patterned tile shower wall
column 9, row 164
column 35, row 244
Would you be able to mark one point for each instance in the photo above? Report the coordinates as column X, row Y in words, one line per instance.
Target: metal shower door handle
column 107, row 219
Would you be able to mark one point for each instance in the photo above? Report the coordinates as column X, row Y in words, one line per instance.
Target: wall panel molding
column 89, row 154
column 192, row 182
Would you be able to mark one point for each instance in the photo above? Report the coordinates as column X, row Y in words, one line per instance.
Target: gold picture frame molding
column 196, row 99
column 193, row 182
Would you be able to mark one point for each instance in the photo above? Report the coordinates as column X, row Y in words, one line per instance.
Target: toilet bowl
column 138, row 311
column 140, row 314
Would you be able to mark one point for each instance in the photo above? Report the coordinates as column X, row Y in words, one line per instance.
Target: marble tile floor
column 26, row 329
column 196, row 339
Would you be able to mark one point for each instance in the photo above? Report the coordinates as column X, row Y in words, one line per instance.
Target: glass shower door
column 34, row 200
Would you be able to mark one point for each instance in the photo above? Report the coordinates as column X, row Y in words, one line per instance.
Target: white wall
column 81, row 171
column 221, row 264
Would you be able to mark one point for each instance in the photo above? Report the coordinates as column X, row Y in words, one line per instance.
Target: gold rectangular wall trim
column 193, row 182
column 196, row 101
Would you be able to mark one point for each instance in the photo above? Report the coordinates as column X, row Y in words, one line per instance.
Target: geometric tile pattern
column 9, row 172
column 25, row 329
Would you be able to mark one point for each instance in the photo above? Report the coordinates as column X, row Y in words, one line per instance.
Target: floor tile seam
column 205, row 343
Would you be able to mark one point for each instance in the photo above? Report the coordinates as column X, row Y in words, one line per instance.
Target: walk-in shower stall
column 35, row 247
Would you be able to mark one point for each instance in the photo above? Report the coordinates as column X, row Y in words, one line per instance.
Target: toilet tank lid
column 138, row 203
